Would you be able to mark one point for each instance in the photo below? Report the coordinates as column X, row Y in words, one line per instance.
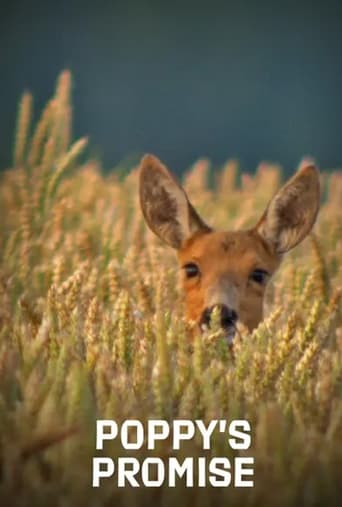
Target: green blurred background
column 256, row 80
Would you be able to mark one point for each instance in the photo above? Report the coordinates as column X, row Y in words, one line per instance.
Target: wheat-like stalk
column 92, row 326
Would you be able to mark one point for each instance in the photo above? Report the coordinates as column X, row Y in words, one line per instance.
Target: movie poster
column 170, row 253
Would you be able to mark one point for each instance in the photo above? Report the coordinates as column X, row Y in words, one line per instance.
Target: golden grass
column 91, row 326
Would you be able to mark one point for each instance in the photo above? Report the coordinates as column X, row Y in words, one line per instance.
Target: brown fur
column 226, row 260
column 292, row 212
column 165, row 205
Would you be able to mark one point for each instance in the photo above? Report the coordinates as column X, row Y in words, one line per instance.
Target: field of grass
column 91, row 326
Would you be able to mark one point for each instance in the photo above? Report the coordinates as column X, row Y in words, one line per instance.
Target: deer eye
column 259, row 276
column 191, row 270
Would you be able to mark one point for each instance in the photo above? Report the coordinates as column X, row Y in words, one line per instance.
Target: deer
column 227, row 271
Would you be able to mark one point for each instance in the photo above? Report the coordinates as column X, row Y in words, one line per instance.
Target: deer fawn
column 227, row 270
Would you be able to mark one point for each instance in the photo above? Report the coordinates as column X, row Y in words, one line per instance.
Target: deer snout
column 228, row 316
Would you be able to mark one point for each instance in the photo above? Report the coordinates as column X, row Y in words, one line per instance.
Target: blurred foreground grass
column 91, row 326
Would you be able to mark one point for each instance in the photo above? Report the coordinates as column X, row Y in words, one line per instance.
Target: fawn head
column 227, row 270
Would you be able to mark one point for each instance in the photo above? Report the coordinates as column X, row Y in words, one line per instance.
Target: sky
column 252, row 80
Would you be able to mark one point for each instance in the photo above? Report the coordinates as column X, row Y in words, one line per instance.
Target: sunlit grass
column 91, row 326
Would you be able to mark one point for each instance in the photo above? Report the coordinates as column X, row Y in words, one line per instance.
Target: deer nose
column 228, row 317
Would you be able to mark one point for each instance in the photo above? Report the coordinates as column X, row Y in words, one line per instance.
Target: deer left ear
column 292, row 212
column 165, row 205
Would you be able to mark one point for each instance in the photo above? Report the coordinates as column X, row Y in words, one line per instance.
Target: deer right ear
column 292, row 212
column 165, row 205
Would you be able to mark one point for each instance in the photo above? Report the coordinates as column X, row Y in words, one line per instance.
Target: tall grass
column 91, row 326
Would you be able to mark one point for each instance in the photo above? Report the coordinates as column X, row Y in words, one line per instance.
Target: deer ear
column 165, row 205
column 292, row 212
